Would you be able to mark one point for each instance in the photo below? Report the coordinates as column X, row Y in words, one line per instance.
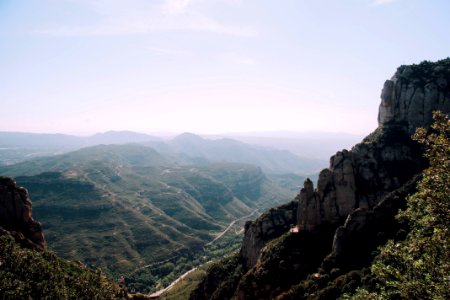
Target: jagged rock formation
column 360, row 178
column 268, row 226
column 412, row 94
column 388, row 158
column 351, row 212
column 16, row 215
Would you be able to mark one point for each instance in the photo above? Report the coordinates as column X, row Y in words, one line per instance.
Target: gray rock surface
column 363, row 227
column 410, row 97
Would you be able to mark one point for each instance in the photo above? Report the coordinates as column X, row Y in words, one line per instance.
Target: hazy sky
column 208, row 66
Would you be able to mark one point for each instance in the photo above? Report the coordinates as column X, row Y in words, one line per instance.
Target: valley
column 150, row 215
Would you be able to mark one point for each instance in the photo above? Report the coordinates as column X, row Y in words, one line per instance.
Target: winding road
column 231, row 225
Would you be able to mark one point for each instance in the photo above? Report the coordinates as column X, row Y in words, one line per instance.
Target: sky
column 208, row 66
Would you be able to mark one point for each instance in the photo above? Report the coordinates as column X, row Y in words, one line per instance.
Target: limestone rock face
column 310, row 206
column 387, row 158
column 16, row 214
column 359, row 178
column 413, row 93
column 335, row 195
column 267, row 227
column 366, row 229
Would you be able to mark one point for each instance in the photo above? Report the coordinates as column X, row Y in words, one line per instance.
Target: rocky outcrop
column 365, row 229
column 334, row 197
column 413, row 93
column 16, row 215
column 268, row 226
column 387, row 158
column 360, row 178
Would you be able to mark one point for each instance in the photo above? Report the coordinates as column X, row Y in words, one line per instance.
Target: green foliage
column 284, row 262
column 28, row 274
column 430, row 207
column 220, row 280
column 363, row 294
column 330, row 285
column 419, row 267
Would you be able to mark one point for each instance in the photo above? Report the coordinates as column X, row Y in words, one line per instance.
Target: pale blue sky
column 208, row 66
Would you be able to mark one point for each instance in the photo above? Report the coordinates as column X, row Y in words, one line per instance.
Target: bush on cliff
column 419, row 267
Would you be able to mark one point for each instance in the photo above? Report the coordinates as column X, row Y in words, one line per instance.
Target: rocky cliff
column 360, row 178
column 16, row 215
column 351, row 211
column 412, row 94
column 385, row 160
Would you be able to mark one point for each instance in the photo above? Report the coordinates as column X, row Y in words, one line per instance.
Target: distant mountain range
column 318, row 145
column 271, row 160
column 23, row 139
column 19, row 146
column 16, row 147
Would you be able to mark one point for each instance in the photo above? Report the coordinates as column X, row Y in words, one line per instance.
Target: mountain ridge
column 193, row 148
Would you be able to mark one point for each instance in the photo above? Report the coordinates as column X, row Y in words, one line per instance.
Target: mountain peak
column 120, row 137
column 188, row 136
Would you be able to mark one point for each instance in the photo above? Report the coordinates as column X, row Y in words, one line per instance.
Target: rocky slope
column 350, row 213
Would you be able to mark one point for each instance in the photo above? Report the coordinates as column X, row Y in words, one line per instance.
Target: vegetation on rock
column 419, row 267
column 30, row 274
column 425, row 72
